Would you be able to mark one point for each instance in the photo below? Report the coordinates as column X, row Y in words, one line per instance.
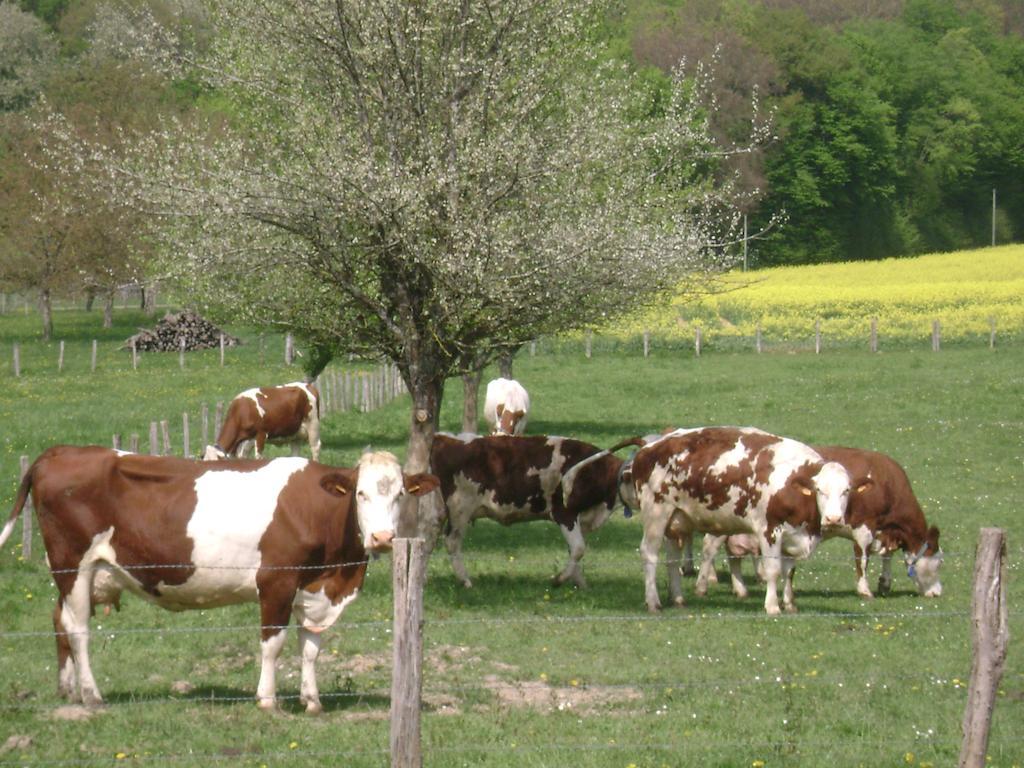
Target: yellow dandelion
column 293, row 745
column 908, row 758
column 757, row 764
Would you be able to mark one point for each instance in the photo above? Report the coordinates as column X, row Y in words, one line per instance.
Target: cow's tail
column 637, row 441
column 19, row 504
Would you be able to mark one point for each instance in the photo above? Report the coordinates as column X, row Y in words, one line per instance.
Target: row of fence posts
column 289, row 354
column 698, row 338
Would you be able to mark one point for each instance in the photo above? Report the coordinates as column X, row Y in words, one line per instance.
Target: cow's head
column 380, row 486
column 831, row 487
column 923, row 565
column 508, row 421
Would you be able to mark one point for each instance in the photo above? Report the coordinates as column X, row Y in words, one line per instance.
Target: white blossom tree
column 427, row 181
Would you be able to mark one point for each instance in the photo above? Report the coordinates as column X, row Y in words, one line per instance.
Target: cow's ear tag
column 806, row 491
column 341, row 489
column 413, row 488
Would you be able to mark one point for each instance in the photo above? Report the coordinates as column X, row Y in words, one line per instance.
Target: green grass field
column 518, row 673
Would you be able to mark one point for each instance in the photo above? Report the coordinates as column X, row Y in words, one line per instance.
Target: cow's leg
column 66, row 677
column 309, row 643
column 75, row 608
column 707, row 573
column 313, row 433
column 574, row 541
column 674, row 563
column 885, row 577
column 736, row 573
column 260, row 444
column 688, row 568
column 771, row 556
column 275, row 610
column 649, row 550
column 860, row 559
column 453, row 543
column 788, row 570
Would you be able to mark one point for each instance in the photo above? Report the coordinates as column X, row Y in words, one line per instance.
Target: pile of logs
column 176, row 327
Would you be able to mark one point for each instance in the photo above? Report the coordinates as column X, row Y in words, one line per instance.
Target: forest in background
column 895, row 120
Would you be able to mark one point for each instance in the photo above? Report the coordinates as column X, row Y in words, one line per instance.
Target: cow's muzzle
column 382, row 541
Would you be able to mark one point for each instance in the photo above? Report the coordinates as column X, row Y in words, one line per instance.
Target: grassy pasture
column 518, row 673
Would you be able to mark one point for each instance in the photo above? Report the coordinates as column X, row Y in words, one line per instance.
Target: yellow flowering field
column 965, row 291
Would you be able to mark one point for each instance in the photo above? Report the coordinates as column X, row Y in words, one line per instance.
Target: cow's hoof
column 866, row 595
column 884, row 587
column 678, row 602
column 92, row 700
column 654, row 608
column 791, row 609
column 267, row 705
column 740, row 595
column 467, row 583
column 773, row 611
column 314, row 708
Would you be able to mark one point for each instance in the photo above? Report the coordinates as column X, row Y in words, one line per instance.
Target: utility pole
column 993, row 215
column 745, row 240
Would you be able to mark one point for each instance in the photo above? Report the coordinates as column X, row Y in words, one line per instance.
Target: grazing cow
column 506, row 407
column 883, row 518
column 528, row 478
column 726, row 480
column 290, row 534
column 289, row 414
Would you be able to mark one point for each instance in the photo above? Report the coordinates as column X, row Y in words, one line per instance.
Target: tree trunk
column 46, row 310
column 142, row 297
column 505, row 364
column 108, row 310
column 471, row 400
column 90, row 298
column 149, row 299
column 421, row 516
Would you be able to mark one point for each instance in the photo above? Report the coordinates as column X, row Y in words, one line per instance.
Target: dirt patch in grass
column 539, row 695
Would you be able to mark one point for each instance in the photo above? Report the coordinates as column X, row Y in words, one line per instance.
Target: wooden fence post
column 991, row 333
column 647, row 343
column 204, row 419
column 166, row 433
column 181, row 354
column 133, row 443
column 936, row 335
column 990, row 638
column 409, row 567
column 92, row 364
column 588, row 343
column 186, row 452
column 116, row 442
column 757, row 339
column 26, row 517
column 154, row 439
column 60, row 358
column 366, row 392
column 533, row 348
column 817, row 337
column 696, row 341
column 289, row 349
column 222, row 349
column 135, row 356
column 17, row 360
column 873, row 343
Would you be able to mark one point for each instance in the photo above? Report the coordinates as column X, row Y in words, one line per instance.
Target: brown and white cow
column 506, row 407
column 515, row 480
column 290, row 534
column 289, row 414
column 884, row 518
column 726, row 480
